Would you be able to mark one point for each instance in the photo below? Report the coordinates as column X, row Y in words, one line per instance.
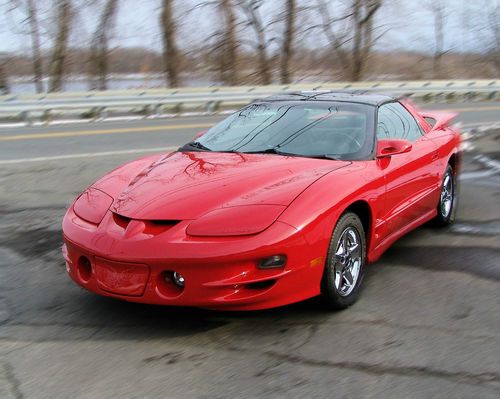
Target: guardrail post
column 492, row 96
column 450, row 97
column 26, row 117
column 103, row 113
column 47, row 116
column 158, row 108
column 177, row 108
column 209, row 107
column 212, row 107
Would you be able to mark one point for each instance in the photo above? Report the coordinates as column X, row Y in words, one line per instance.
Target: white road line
column 86, row 155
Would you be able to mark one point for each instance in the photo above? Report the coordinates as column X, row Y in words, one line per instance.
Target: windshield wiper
column 274, row 150
column 196, row 145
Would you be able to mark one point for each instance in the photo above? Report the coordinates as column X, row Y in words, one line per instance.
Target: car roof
column 352, row 96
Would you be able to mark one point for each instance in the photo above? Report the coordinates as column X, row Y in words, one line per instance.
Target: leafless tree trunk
column 170, row 51
column 35, row 45
column 252, row 10
column 229, row 45
column 4, row 84
column 494, row 27
column 363, row 12
column 336, row 41
column 287, row 47
column 438, row 13
column 359, row 21
column 60, row 45
column 99, row 47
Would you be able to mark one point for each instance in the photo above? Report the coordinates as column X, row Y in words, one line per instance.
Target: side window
column 395, row 122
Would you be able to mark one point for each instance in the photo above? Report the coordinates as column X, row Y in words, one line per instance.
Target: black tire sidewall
column 450, row 218
column 328, row 290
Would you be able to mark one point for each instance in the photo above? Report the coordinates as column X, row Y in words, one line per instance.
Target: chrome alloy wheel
column 348, row 258
column 447, row 195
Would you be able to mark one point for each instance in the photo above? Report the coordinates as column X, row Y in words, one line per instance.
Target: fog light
column 178, row 279
column 273, row 261
column 84, row 269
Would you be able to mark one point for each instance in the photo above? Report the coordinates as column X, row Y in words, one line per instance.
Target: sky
column 405, row 25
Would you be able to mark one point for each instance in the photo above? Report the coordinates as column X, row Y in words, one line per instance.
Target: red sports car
column 286, row 199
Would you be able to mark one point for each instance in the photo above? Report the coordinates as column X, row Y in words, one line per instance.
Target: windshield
column 331, row 130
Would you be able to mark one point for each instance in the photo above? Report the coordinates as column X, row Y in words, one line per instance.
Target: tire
column 341, row 268
column 446, row 207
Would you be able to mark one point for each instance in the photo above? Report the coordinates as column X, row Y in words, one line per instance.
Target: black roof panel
column 353, row 96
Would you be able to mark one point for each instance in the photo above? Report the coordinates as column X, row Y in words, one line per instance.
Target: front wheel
column 345, row 263
column 447, row 199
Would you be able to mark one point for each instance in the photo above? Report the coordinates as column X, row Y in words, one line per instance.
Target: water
column 22, row 86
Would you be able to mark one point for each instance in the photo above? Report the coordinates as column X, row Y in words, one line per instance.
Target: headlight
column 235, row 221
column 92, row 205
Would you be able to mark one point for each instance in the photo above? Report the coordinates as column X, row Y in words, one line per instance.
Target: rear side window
column 395, row 122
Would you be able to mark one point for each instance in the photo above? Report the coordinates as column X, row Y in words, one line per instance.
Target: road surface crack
column 379, row 369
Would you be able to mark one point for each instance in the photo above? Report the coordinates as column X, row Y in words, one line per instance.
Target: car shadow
column 118, row 319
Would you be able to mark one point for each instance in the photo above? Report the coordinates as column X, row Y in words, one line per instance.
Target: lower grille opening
column 260, row 285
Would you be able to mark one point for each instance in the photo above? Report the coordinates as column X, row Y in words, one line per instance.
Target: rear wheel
column 345, row 263
column 447, row 199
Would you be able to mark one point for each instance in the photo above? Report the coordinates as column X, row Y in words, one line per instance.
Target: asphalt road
column 427, row 324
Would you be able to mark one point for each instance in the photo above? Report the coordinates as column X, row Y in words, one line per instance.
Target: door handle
column 435, row 156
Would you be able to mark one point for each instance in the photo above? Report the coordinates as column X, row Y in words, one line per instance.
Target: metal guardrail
column 93, row 105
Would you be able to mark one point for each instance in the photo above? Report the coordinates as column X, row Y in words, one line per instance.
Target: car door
column 410, row 178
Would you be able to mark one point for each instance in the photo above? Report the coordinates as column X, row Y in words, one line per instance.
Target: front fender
column 317, row 209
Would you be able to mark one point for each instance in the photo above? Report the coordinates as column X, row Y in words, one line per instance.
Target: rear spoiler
column 442, row 118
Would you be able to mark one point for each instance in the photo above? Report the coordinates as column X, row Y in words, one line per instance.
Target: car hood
column 186, row 185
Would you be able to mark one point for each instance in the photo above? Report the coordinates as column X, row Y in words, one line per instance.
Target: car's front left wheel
column 345, row 263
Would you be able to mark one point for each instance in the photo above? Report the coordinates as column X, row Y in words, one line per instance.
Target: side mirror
column 388, row 148
column 199, row 134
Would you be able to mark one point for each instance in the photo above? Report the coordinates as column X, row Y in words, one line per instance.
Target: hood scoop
column 129, row 227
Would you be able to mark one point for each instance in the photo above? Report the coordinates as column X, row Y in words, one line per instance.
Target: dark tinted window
column 395, row 122
column 339, row 130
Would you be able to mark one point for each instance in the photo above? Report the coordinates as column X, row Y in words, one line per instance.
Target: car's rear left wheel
column 345, row 263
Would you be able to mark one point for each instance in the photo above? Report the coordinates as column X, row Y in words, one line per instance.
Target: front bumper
column 220, row 273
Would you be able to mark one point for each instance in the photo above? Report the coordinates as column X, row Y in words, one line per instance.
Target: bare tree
column 251, row 9
column 229, row 44
column 438, row 10
column 35, row 45
column 494, row 27
column 99, row 47
column 170, row 51
column 59, row 52
column 363, row 12
column 351, row 50
column 287, row 46
column 336, row 39
column 30, row 17
column 4, row 84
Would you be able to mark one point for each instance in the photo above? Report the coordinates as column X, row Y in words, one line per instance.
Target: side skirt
column 376, row 253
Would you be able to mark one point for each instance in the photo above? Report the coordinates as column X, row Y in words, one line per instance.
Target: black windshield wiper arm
column 194, row 144
column 274, row 150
